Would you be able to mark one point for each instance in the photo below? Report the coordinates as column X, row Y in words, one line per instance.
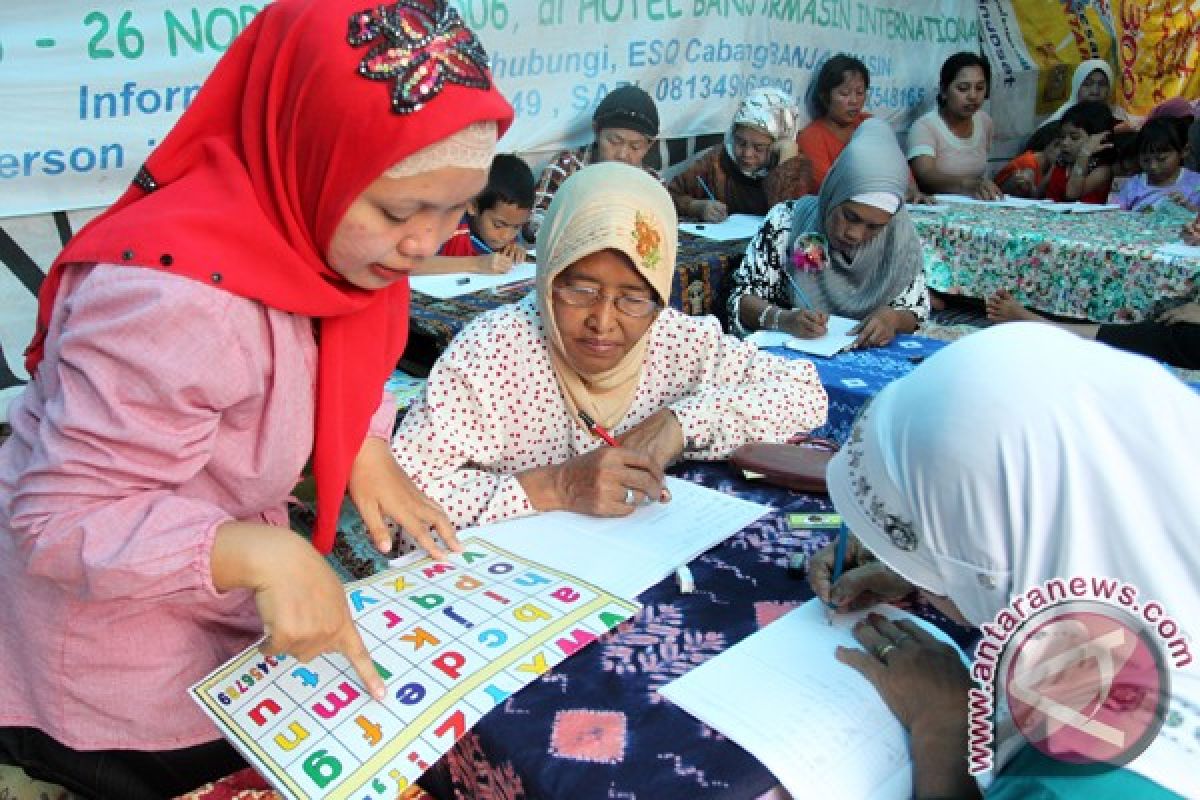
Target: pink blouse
column 163, row 408
column 492, row 407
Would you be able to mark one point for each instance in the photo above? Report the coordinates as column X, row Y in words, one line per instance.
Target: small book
column 836, row 339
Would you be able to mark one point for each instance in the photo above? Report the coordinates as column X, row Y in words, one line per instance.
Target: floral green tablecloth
column 1100, row 266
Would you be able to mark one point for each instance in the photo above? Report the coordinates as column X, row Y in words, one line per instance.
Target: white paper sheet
column 1178, row 250
column 456, row 284
column 1012, row 201
column 735, row 226
column 627, row 555
column 813, row 721
column 1078, row 208
column 836, row 339
column 1007, row 201
column 965, row 200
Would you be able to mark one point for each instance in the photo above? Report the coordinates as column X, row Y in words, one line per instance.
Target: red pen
column 597, row 429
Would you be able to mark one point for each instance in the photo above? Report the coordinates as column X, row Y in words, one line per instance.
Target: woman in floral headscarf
column 500, row 430
column 874, row 270
column 757, row 166
column 232, row 316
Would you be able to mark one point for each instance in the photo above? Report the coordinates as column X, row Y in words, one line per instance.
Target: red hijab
column 312, row 103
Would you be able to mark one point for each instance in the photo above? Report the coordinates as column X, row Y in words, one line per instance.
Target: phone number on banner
column 895, row 97
column 701, row 87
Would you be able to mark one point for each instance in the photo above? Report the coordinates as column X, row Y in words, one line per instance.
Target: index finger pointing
column 356, row 653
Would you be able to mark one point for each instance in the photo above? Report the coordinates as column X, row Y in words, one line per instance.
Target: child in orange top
column 1027, row 174
column 1084, row 171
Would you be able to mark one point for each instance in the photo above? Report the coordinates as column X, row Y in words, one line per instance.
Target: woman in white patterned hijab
column 1020, row 456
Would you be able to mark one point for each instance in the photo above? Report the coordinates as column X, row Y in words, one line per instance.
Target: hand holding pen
column 861, row 583
column 658, row 437
column 712, row 209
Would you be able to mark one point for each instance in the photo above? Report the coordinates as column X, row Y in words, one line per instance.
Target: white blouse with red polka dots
column 492, row 407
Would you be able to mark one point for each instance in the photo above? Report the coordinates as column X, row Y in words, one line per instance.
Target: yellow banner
column 1158, row 51
column 1152, row 45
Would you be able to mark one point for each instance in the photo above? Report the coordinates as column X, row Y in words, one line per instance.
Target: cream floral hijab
column 770, row 111
column 605, row 206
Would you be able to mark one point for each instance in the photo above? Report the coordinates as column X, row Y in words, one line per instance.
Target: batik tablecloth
column 1099, row 266
column 852, row 378
column 595, row 726
column 701, row 267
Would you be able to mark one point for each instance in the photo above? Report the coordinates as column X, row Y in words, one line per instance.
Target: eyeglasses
column 588, row 296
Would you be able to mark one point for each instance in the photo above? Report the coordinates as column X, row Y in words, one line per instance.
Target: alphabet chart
column 452, row 639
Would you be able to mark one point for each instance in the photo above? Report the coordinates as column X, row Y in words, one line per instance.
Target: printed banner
column 88, row 90
column 1152, row 45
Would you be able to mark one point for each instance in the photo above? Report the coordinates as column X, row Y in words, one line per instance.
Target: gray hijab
column 856, row 284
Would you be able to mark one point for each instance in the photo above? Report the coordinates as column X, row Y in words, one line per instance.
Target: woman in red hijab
column 234, row 314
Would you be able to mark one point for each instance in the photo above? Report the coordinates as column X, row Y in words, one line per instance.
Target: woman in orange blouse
column 837, row 99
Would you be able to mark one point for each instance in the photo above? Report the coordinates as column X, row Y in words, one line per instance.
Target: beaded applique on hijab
column 900, row 530
column 421, row 47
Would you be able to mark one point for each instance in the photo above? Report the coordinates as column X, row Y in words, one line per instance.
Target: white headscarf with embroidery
column 1021, row 454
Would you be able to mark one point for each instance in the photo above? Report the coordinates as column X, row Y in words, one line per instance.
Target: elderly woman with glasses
column 501, row 429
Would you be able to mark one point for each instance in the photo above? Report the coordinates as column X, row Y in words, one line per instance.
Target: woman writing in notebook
column 500, row 431
column 234, row 313
column 1020, row 456
column 756, row 166
column 851, row 250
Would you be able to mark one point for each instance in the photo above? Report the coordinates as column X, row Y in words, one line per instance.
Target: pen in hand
column 839, row 556
column 600, row 432
column 704, row 186
column 597, row 429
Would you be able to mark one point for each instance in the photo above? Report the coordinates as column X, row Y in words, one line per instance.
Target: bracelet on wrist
column 775, row 319
column 762, row 316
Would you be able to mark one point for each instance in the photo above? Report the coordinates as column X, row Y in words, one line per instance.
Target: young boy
column 1026, row 175
column 486, row 239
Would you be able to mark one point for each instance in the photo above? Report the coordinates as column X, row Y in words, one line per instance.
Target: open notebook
column 735, row 226
column 456, row 284
column 627, row 555
column 810, row 719
column 836, row 339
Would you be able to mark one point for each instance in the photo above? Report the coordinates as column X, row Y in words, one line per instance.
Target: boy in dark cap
column 626, row 125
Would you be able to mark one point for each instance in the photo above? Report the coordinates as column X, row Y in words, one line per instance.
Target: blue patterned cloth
column 595, row 725
column 854, row 377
